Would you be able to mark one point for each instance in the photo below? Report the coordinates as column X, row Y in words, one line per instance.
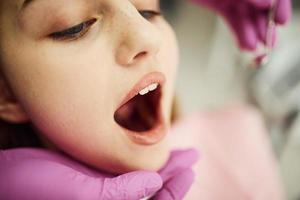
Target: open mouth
column 141, row 113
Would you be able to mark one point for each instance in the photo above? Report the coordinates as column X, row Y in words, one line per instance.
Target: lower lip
column 152, row 136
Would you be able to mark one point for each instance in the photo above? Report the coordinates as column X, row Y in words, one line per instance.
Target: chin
column 149, row 161
column 152, row 162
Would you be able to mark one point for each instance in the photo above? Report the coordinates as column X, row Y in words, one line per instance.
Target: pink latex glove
column 177, row 175
column 248, row 19
column 37, row 174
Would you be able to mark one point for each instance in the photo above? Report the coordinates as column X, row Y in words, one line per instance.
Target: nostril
column 140, row 55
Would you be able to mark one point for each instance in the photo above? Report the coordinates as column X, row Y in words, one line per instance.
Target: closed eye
column 81, row 29
column 149, row 14
column 74, row 32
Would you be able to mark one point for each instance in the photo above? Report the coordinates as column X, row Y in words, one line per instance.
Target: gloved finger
column 283, row 11
column 261, row 4
column 131, row 186
column 243, row 28
column 261, row 26
column 179, row 161
column 274, row 36
column 177, row 187
column 263, row 30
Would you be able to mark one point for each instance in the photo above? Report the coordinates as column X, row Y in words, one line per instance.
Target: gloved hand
column 34, row 174
column 248, row 19
column 177, row 175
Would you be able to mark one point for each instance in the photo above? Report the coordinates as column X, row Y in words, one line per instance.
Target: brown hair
column 18, row 135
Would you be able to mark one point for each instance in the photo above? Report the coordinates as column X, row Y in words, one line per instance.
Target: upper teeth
column 148, row 88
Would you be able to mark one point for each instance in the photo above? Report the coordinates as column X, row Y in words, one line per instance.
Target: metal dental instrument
column 263, row 58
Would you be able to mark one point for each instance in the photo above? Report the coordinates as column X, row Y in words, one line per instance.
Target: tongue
column 137, row 115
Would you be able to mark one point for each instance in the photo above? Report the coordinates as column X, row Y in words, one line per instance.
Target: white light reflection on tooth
column 152, row 86
column 144, row 91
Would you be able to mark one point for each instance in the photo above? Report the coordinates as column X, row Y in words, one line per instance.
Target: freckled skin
column 71, row 89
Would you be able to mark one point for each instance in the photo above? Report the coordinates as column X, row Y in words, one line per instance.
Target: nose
column 139, row 39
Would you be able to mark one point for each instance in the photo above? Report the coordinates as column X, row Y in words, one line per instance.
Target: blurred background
column 214, row 73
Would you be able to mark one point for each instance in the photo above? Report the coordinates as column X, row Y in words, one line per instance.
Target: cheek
column 75, row 102
column 66, row 99
column 71, row 104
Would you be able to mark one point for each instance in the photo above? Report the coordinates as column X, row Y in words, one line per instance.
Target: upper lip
column 146, row 80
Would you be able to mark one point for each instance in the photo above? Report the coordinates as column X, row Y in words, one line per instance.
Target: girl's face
column 77, row 68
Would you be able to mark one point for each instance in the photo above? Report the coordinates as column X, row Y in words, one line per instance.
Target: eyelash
column 80, row 30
